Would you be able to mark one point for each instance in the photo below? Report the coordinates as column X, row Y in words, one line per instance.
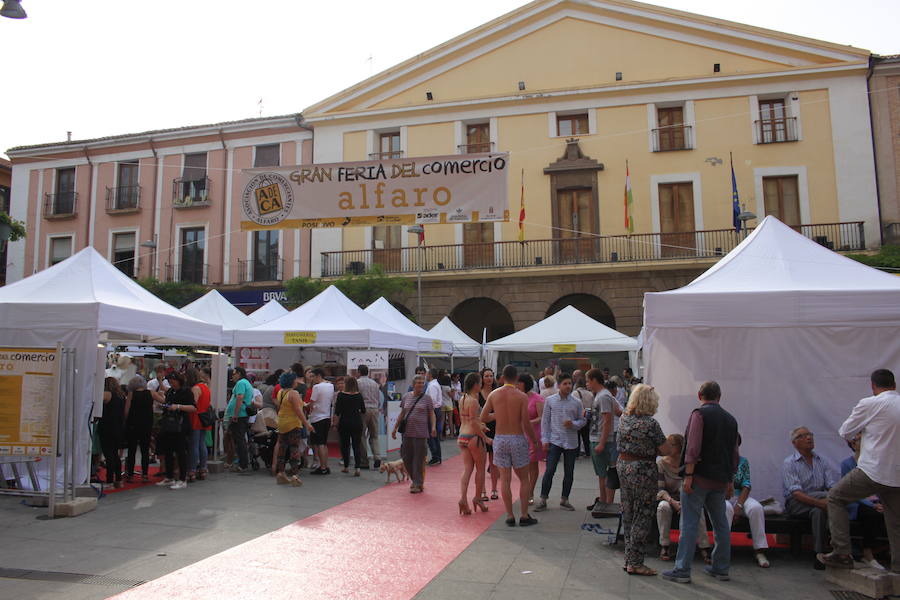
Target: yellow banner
column 436, row 345
column 563, row 348
column 299, row 338
column 27, row 386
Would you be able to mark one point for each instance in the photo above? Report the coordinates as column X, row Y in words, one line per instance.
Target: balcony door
column 676, row 219
column 782, row 199
column 193, row 243
column 127, row 189
column 671, row 128
column 265, row 256
column 773, row 124
column 386, row 244
column 576, row 218
column 478, row 244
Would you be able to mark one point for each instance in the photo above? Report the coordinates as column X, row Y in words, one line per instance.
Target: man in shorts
column 320, row 419
column 508, row 407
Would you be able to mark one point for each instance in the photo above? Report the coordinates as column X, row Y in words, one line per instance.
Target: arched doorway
column 589, row 304
column 474, row 314
column 403, row 309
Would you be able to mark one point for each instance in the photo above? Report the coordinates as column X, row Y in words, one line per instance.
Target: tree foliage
column 888, row 256
column 362, row 289
column 17, row 228
column 176, row 293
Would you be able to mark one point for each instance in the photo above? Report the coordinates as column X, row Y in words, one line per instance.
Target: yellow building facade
column 573, row 90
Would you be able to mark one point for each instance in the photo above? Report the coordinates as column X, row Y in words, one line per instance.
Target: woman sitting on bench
column 742, row 504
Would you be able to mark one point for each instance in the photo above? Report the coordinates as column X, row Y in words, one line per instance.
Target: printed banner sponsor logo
column 563, row 348
column 299, row 338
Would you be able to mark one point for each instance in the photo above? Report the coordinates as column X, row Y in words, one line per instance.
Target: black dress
column 138, row 427
column 112, row 435
column 349, row 408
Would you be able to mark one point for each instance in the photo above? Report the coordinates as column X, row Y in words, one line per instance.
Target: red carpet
column 384, row 545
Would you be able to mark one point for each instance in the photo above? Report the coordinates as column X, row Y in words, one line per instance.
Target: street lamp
column 744, row 216
column 418, row 230
column 12, row 9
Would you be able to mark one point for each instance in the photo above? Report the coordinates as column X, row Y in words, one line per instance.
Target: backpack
column 208, row 418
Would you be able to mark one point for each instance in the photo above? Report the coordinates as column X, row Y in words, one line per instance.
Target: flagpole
column 522, row 221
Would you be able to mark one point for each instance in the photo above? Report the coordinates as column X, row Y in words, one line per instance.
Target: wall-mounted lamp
column 521, row 86
column 12, row 9
column 618, row 75
column 148, row 244
column 716, row 67
column 429, row 96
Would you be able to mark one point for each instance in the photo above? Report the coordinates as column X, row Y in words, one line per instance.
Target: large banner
column 459, row 188
column 27, row 401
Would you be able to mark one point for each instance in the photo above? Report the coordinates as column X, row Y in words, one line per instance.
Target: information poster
column 27, row 399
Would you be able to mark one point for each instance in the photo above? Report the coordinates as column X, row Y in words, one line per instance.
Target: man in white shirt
column 320, row 419
column 371, row 394
column 602, row 434
column 878, row 469
column 433, row 391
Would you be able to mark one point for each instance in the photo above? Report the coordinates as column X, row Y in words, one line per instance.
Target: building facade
column 884, row 97
column 163, row 204
column 574, row 92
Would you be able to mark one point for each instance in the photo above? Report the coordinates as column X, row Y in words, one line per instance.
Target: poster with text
column 27, row 401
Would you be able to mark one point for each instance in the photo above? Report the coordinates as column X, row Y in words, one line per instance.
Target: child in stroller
column 263, row 436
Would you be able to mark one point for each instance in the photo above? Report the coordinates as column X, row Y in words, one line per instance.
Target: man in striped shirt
column 563, row 417
column 807, row 478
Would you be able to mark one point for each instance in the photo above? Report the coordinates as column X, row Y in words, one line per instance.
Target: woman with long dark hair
column 138, row 426
column 348, row 410
column 488, row 385
column 202, row 399
column 112, row 429
column 175, row 430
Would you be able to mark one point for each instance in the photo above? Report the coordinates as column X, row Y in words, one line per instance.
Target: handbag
column 208, row 417
column 401, row 426
column 612, row 479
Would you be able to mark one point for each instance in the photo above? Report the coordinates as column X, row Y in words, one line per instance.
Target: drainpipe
column 224, row 208
column 153, row 231
column 298, row 118
column 869, row 72
column 87, row 221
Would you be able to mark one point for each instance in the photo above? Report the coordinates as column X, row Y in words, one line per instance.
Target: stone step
column 868, row 582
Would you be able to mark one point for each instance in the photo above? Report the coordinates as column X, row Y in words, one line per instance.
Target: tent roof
column 214, row 308
column 268, row 311
column 568, row 326
column 463, row 345
column 85, row 291
column 385, row 312
column 778, row 277
column 335, row 321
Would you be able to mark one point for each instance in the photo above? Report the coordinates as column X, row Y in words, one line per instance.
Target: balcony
column 385, row 155
column 63, row 205
column 186, row 272
column 251, row 271
column 774, row 131
column 675, row 137
column 475, row 148
column 617, row 249
column 123, row 199
column 191, row 193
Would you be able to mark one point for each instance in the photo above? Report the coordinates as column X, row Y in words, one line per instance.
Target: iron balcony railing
column 772, row 131
column 124, row 198
column 187, row 272
column 250, row 271
column 61, row 205
column 475, row 148
column 673, row 137
column 646, row 247
column 191, row 193
column 385, row 155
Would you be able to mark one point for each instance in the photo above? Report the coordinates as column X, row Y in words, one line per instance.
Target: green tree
column 176, row 293
column 888, row 257
column 363, row 289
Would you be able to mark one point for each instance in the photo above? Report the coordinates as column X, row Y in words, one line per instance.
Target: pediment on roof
column 575, row 44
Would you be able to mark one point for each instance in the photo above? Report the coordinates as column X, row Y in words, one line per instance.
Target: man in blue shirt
column 236, row 416
column 563, row 417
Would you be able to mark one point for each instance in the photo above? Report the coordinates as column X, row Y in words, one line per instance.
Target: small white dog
column 394, row 467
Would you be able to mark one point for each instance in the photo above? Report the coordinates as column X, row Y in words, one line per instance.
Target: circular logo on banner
column 268, row 199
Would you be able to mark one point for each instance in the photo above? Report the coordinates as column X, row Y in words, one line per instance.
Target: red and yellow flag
column 522, row 210
column 629, row 202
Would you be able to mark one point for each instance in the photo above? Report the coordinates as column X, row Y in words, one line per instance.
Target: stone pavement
column 143, row 534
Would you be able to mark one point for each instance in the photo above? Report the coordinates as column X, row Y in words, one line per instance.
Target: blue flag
column 735, row 202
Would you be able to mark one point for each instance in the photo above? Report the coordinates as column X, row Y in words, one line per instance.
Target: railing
column 384, row 155
column 249, row 270
column 187, row 272
column 647, row 247
column 124, row 198
column 60, row 206
column 191, row 193
column 772, row 131
column 673, row 137
column 475, row 148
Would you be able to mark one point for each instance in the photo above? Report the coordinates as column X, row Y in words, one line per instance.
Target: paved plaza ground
column 155, row 535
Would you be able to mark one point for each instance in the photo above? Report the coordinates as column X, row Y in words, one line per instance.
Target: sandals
column 484, row 497
column 761, row 560
column 641, row 570
column 704, row 554
column 665, row 553
column 494, row 495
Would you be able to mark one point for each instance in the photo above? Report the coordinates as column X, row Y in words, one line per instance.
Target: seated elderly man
column 807, row 478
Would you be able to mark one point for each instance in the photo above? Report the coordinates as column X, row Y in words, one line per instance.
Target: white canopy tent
column 267, row 312
column 791, row 331
column 463, row 345
column 214, row 308
column 571, row 328
column 385, row 312
column 80, row 302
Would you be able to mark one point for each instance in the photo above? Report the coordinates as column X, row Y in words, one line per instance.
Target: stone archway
column 589, row 304
column 475, row 314
column 405, row 310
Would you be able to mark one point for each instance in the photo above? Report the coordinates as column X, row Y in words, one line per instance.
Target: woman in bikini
column 472, row 443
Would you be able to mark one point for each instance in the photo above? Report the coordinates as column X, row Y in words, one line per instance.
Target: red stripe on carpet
column 386, row 545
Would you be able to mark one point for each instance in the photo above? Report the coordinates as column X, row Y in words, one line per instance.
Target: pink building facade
column 163, row 204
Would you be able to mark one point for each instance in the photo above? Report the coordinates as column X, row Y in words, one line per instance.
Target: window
column 478, row 138
column 478, row 244
column 572, row 125
column 576, row 222
column 389, row 145
column 123, row 252
column 4, row 198
column 265, row 256
column 671, row 134
column 60, row 249
column 193, row 243
column 127, row 192
column 774, row 125
column 193, row 187
column 386, row 244
column 676, row 219
column 782, row 199
column 267, row 156
column 63, row 201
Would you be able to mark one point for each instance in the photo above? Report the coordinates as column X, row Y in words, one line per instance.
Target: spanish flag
column 522, row 210
column 629, row 202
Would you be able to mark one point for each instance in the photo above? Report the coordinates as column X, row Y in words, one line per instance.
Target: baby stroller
column 262, row 438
